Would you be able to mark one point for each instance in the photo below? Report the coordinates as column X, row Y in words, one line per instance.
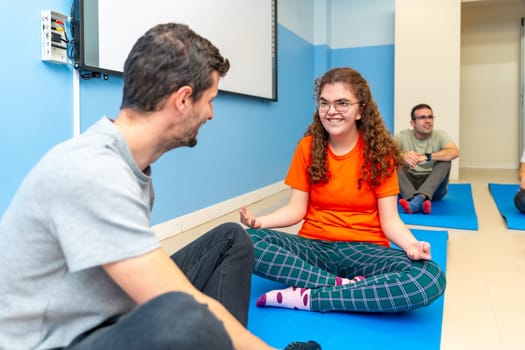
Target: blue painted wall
column 35, row 96
column 376, row 65
column 248, row 144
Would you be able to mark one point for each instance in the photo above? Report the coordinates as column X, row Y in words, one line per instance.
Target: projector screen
column 243, row 30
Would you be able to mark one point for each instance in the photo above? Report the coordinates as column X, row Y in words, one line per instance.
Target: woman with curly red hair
column 344, row 188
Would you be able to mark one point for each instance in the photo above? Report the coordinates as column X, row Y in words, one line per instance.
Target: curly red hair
column 381, row 152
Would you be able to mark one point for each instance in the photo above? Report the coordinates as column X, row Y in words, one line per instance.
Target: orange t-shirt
column 338, row 210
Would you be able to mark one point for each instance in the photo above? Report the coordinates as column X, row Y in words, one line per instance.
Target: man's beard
column 192, row 142
column 181, row 143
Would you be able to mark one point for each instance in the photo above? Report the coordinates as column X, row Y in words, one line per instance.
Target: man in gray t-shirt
column 427, row 155
column 80, row 266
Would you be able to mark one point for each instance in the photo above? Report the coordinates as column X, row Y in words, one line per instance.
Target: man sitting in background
column 427, row 155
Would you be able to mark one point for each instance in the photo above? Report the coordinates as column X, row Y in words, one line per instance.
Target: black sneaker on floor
column 311, row 345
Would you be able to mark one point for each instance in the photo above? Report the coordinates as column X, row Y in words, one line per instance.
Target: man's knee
column 240, row 239
column 172, row 320
column 445, row 164
column 519, row 200
column 442, row 169
column 234, row 230
column 177, row 321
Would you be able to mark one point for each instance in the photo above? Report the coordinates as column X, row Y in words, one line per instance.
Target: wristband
column 429, row 156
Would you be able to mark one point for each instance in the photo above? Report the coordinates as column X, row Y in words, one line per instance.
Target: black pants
column 219, row 264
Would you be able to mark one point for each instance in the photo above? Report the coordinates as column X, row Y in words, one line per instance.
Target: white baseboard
column 182, row 223
column 496, row 166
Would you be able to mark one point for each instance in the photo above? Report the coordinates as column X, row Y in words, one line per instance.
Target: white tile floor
column 485, row 296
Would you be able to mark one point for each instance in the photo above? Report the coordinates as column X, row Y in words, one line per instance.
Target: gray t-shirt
column 85, row 204
column 436, row 142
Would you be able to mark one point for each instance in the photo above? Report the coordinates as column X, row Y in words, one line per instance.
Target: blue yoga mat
column 503, row 195
column 418, row 329
column 455, row 210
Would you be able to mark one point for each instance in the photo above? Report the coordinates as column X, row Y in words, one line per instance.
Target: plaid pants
column 393, row 282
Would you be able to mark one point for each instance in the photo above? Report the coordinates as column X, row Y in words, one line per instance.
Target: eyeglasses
column 421, row 117
column 340, row 106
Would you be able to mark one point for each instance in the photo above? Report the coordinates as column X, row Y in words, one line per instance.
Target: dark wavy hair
column 165, row 58
column 417, row 107
column 381, row 152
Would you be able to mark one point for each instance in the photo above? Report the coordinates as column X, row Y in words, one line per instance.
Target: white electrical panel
column 54, row 37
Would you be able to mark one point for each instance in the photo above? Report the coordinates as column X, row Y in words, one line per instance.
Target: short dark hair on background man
column 419, row 106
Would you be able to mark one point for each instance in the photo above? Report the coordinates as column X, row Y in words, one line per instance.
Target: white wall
column 298, row 16
column 490, row 84
column 321, row 20
column 359, row 23
column 427, row 63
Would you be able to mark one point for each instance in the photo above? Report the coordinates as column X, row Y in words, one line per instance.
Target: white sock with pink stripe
column 296, row 298
column 290, row 298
